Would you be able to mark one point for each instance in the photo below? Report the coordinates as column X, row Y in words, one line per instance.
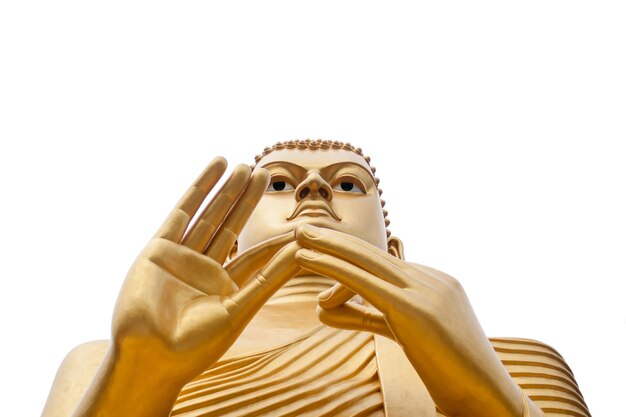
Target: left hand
column 426, row 311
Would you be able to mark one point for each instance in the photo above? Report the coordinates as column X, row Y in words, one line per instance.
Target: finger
column 214, row 213
column 190, row 267
column 351, row 316
column 253, row 295
column 178, row 220
column 253, row 259
column 221, row 244
column 353, row 250
column 335, row 296
column 376, row 290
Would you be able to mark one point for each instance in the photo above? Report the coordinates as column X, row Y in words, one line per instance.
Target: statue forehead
column 313, row 159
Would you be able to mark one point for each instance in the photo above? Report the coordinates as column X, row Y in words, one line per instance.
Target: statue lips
column 314, row 208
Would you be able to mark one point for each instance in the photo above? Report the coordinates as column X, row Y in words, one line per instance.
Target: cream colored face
column 334, row 189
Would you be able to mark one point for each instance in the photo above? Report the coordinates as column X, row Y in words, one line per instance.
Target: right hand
column 180, row 308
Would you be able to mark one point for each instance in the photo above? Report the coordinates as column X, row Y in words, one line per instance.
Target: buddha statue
column 286, row 295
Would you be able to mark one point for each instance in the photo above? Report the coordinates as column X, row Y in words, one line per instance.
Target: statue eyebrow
column 332, row 168
column 329, row 169
column 293, row 168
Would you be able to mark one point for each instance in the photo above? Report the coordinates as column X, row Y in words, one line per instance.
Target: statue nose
column 314, row 186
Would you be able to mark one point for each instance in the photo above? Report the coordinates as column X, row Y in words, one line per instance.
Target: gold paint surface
column 288, row 296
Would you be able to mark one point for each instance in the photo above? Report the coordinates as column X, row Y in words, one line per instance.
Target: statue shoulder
column 73, row 377
column 542, row 373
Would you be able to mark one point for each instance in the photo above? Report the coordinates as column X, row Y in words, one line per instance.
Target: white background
column 498, row 130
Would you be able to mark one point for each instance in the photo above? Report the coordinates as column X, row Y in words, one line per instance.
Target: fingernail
column 325, row 295
column 308, row 254
column 309, row 231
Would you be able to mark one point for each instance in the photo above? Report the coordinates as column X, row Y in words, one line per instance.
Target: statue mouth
column 314, row 208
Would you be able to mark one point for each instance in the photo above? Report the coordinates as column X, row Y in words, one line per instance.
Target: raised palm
column 180, row 306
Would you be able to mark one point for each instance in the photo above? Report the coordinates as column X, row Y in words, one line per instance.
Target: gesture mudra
column 287, row 295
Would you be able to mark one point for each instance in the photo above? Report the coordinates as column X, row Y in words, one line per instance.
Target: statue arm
column 428, row 314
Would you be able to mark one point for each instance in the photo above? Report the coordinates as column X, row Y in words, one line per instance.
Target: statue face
column 334, row 189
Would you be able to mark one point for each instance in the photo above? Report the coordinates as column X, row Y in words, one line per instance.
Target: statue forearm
column 469, row 381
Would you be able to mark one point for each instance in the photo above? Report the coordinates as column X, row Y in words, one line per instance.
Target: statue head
column 324, row 183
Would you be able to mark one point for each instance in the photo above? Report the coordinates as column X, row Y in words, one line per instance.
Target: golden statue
column 288, row 296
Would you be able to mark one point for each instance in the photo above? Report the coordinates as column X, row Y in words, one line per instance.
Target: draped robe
column 332, row 372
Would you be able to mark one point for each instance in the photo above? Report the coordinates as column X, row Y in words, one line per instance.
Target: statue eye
column 348, row 186
column 279, row 186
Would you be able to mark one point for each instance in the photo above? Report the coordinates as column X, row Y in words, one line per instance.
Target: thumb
column 334, row 296
column 249, row 262
column 254, row 293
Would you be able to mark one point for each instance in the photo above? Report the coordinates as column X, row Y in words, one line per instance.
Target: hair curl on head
column 319, row 144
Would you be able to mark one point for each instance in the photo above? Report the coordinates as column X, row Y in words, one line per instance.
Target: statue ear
column 395, row 247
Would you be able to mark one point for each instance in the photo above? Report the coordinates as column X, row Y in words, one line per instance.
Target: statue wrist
column 129, row 385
